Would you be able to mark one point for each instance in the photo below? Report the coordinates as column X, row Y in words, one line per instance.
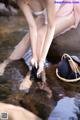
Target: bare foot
column 26, row 84
column 43, row 74
column 44, row 87
column 2, row 68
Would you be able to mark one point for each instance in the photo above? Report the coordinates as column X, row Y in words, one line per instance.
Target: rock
column 15, row 29
column 10, row 2
column 68, row 42
column 16, row 113
column 6, row 12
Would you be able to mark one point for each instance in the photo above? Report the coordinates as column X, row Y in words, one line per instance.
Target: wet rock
column 6, row 12
column 38, row 103
column 11, row 2
column 66, row 43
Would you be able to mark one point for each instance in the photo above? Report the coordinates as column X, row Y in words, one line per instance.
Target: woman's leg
column 21, row 48
column 18, row 53
column 62, row 23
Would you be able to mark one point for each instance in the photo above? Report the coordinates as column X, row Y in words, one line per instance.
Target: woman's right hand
column 34, row 62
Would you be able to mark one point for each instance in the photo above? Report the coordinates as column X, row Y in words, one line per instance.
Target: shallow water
column 11, row 31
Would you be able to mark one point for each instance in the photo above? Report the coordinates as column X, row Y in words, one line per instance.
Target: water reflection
column 67, row 109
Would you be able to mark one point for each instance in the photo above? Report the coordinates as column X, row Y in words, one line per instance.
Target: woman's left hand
column 34, row 62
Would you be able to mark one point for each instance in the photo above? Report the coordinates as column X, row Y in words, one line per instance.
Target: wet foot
column 44, row 87
column 26, row 84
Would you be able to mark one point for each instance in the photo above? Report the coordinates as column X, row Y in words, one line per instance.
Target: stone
column 6, row 12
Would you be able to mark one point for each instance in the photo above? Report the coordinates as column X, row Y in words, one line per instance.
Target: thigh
column 64, row 23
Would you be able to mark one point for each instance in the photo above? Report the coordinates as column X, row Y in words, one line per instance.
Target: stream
column 63, row 105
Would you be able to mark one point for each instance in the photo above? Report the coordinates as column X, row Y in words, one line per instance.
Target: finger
column 38, row 73
column 32, row 61
column 36, row 65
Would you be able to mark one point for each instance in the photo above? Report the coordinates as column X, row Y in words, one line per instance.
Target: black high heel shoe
column 33, row 75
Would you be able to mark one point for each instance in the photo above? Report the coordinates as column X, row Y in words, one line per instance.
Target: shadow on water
column 63, row 94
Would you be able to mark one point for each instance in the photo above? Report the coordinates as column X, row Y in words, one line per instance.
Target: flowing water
column 12, row 29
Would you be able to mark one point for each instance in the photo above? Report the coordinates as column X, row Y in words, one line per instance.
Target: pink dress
column 68, row 7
